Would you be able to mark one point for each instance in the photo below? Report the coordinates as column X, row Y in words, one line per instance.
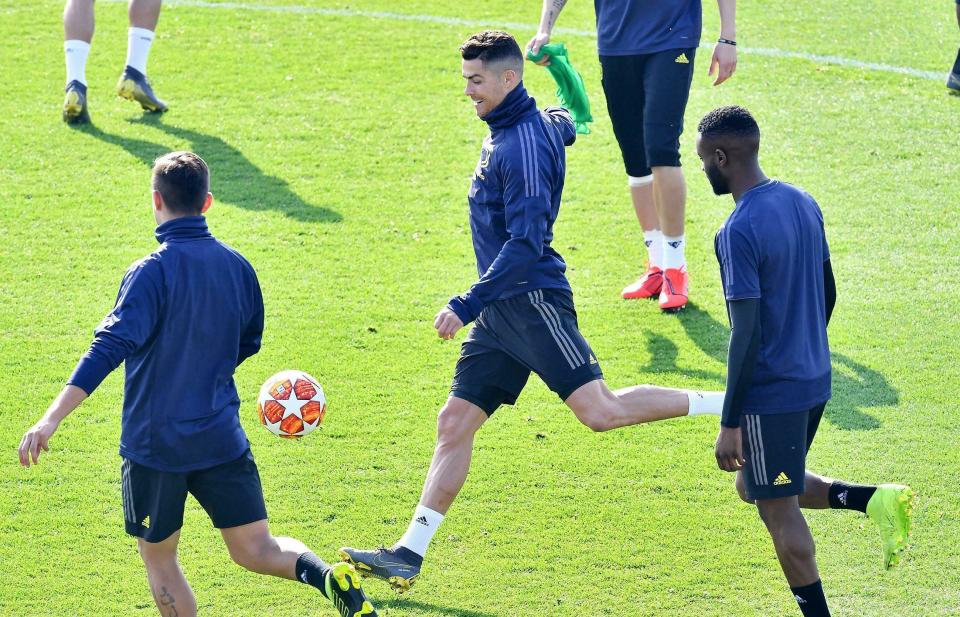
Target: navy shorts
column 153, row 500
column 646, row 99
column 535, row 331
column 775, row 448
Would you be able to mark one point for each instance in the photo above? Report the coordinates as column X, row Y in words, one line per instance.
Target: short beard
column 717, row 182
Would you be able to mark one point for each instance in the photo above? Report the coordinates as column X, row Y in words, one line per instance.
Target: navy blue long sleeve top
column 185, row 317
column 514, row 200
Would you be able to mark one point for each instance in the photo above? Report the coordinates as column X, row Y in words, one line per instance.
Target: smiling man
column 521, row 306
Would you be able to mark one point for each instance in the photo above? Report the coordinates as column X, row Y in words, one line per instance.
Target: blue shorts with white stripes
column 775, row 448
column 535, row 331
column 153, row 500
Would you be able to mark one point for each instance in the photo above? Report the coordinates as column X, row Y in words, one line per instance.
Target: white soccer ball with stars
column 291, row 404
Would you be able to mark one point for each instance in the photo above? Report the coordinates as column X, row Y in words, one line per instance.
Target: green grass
column 341, row 150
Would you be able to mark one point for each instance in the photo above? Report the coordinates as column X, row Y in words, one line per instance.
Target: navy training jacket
column 186, row 316
column 514, row 200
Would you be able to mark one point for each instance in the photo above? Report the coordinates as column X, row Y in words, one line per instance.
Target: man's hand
column 724, row 62
column 541, row 39
column 447, row 323
column 36, row 439
column 729, row 449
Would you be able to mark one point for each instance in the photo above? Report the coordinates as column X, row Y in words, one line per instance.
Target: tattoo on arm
column 551, row 14
column 167, row 600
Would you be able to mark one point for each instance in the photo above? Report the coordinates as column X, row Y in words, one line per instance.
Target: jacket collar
column 511, row 109
column 183, row 228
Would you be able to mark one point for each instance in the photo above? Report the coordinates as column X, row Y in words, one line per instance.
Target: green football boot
column 398, row 566
column 891, row 507
column 342, row 586
column 134, row 86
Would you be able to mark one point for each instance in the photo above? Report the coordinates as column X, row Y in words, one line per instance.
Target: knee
column 250, row 555
column 452, row 425
column 790, row 536
column 598, row 418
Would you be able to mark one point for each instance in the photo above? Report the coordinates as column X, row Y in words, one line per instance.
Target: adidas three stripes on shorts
column 535, row 331
column 775, row 448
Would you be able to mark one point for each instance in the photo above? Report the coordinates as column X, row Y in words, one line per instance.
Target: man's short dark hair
column 493, row 46
column 183, row 180
column 730, row 121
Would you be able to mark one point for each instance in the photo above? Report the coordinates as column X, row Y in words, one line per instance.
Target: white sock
column 76, row 52
column 138, row 48
column 705, row 402
column 673, row 253
column 654, row 241
column 424, row 524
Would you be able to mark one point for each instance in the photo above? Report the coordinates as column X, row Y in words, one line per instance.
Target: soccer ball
column 291, row 404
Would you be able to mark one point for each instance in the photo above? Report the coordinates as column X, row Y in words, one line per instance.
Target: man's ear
column 157, row 200
column 207, row 203
column 722, row 159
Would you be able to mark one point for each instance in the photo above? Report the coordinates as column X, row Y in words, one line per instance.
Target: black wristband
column 727, row 41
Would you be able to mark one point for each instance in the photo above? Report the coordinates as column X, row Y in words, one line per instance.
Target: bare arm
column 40, row 433
column 724, row 60
column 548, row 19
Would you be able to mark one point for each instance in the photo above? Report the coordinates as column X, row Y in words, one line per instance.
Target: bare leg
column 457, row 424
column 643, row 206
column 602, row 409
column 670, row 198
column 791, row 539
column 170, row 589
column 252, row 547
column 816, row 491
column 78, row 20
column 144, row 14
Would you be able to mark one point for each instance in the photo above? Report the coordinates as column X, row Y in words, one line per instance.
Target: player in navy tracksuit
column 185, row 317
column 522, row 305
column 778, row 282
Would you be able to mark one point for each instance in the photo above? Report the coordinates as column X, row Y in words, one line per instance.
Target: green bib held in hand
column 570, row 88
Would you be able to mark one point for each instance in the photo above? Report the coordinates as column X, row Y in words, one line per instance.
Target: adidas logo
column 423, row 521
column 799, row 599
column 842, row 497
column 647, row 243
column 678, row 242
column 593, row 359
column 303, row 576
column 682, row 59
column 146, row 522
column 781, row 480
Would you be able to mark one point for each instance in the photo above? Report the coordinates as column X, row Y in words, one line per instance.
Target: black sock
column 313, row 571
column 811, row 600
column 956, row 65
column 845, row 496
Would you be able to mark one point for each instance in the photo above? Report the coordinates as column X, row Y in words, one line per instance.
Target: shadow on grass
column 234, row 179
column 433, row 608
column 855, row 387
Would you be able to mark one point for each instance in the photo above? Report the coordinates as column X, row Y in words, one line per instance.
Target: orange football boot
column 647, row 286
column 673, row 296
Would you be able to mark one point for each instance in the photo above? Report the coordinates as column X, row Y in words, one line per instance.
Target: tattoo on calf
column 167, row 600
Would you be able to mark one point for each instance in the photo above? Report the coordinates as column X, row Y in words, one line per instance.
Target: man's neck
column 746, row 181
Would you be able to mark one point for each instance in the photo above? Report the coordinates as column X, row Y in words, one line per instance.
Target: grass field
column 341, row 149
